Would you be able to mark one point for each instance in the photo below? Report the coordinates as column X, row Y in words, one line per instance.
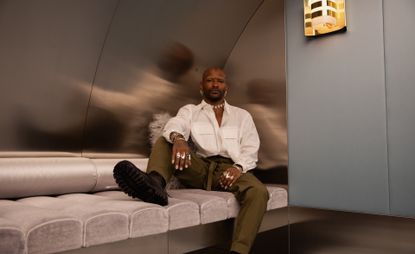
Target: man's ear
column 201, row 89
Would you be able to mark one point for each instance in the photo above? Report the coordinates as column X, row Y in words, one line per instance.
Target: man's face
column 214, row 85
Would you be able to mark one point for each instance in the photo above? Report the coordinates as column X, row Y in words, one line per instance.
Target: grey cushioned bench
column 72, row 204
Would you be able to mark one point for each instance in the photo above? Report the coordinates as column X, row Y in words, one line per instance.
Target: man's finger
column 232, row 182
column 173, row 156
column 177, row 160
column 188, row 160
column 182, row 160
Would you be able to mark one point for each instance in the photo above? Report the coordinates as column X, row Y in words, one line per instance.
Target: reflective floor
column 321, row 231
column 316, row 231
column 269, row 242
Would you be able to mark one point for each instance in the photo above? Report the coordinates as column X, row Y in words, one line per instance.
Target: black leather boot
column 138, row 184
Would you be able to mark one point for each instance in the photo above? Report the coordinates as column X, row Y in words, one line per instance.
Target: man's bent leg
column 252, row 196
column 148, row 187
column 160, row 159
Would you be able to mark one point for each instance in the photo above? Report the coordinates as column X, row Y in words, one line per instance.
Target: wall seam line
column 242, row 31
column 94, row 77
column 386, row 108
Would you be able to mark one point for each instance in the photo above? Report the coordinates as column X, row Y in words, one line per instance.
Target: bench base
column 186, row 239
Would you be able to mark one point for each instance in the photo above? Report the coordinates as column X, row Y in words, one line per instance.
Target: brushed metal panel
column 256, row 67
column 400, row 76
column 130, row 87
column 201, row 236
column 152, row 244
column 269, row 242
column 336, row 112
column 323, row 231
column 216, row 237
column 47, row 49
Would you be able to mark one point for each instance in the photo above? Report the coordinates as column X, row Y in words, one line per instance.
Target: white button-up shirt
column 236, row 138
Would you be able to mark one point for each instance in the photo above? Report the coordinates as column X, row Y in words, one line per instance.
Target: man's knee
column 160, row 157
column 161, row 145
column 258, row 192
column 161, row 141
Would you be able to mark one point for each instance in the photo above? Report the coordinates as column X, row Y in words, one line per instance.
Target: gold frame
column 324, row 16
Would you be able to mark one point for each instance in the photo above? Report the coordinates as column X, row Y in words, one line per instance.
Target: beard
column 214, row 95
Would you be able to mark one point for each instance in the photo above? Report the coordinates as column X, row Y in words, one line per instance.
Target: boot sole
column 136, row 184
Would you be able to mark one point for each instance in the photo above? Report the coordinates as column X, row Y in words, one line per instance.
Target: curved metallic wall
column 47, row 47
column 146, row 67
column 58, row 57
column 256, row 68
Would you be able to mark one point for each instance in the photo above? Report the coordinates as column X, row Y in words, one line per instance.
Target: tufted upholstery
column 52, row 204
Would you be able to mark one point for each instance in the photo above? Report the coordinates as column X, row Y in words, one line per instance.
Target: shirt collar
column 227, row 107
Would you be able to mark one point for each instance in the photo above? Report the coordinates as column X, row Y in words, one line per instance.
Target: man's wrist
column 179, row 138
column 174, row 136
column 237, row 166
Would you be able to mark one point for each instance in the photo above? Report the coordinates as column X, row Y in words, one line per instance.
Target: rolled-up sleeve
column 180, row 123
column 249, row 145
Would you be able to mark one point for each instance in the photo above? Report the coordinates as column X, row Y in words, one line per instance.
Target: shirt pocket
column 204, row 136
column 230, row 137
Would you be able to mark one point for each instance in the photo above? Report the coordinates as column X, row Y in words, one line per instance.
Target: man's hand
column 180, row 156
column 229, row 177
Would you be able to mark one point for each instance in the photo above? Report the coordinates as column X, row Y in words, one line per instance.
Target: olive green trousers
column 204, row 173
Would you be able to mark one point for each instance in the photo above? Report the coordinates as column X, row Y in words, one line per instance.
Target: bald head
column 212, row 69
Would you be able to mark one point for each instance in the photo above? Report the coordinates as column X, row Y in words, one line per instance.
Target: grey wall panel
column 400, row 78
column 336, row 112
column 130, row 87
column 47, row 49
column 256, row 70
